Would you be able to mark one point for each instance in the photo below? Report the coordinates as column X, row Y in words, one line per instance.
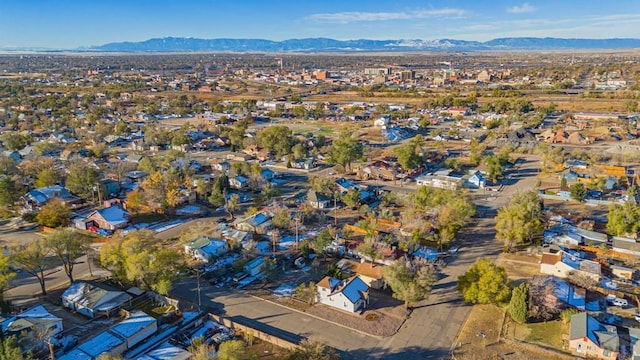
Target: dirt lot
column 520, row 266
column 480, row 339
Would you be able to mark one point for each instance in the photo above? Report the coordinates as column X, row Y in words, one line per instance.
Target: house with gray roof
column 591, row 339
column 93, row 299
column 351, row 294
column 625, row 245
column 36, row 324
column 317, row 200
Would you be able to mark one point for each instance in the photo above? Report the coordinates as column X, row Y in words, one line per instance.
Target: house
column 110, row 218
column 34, row 199
column 317, row 200
column 205, row 248
column 267, row 174
column 476, row 180
column 36, row 323
column 137, row 327
column 589, row 338
column 563, row 264
column 381, row 122
column 93, row 299
column 239, row 182
column 254, row 267
column 625, row 245
column 345, row 185
column 258, row 223
column 222, row 166
column 13, row 155
column 622, row 272
column 439, row 181
column 351, row 294
column 371, row 274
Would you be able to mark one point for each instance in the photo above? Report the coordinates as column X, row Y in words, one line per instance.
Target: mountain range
column 181, row 44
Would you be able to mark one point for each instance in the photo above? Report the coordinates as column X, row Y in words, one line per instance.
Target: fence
column 257, row 333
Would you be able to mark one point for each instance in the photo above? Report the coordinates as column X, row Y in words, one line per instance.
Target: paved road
column 26, row 289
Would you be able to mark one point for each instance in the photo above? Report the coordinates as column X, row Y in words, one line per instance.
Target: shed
column 622, row 272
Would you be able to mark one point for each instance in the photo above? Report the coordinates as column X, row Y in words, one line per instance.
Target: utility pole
column 199, row 298
column 52, row 354
column 335, row 209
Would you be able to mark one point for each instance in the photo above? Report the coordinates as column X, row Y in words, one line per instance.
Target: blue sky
column 70, row 24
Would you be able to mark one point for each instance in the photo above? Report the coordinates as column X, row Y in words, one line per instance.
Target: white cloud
column 522, row 9
column 356, row 16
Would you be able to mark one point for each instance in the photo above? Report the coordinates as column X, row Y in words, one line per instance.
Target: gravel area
column 383, row 326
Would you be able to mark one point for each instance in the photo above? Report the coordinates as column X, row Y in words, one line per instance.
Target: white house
column 477, row 180
column 93, row 299
column 382, row 121
column 439, row 181
column 317, row 200
column 36, row 324
column 205, row 248
column 351, row 294
column 239, row 182
column 562, row 264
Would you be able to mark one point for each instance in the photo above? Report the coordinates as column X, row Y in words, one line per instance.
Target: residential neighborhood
column 359, row 207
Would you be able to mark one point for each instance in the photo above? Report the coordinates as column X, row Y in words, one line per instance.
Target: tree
column 351, row 198
column 6, row 274
column 15, row 141
column 67, row 245
column 47, row 177
column 323, row 239
column 282, row 219
column 623, row 219
column 484, row 283
column 139, row 259
column 82, row 180
column 9, row 192
column 232, row 350
column 135, row 201
column 521, row 220
column 32, row 258
column 494, row 168
column 10, row 349
column 309, row 350
column 519, row 303
column 278, row 139
column 54, row 213
column 408, row 157
column 407, row 284
column 578, row 191
column 566, row 314
column 307, row 293
column 233, row 204
column 345, row 150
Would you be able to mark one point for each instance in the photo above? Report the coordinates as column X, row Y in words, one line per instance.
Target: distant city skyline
column 69, row 24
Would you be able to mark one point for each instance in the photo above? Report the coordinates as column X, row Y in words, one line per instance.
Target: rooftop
column 100, row 344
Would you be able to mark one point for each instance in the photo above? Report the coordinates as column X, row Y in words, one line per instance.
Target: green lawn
column 549, row 333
